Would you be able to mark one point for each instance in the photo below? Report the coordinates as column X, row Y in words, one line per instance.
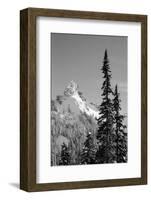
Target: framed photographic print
column 83, row 99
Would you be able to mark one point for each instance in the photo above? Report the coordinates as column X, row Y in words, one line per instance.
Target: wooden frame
column 28, row 99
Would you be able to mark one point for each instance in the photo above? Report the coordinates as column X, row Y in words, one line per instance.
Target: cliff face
column 73, row 92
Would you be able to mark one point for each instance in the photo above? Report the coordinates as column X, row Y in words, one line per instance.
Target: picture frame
column 28, row 98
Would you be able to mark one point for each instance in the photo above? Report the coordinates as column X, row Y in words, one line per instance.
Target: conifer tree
column 120, row 130
column 65, row 155
column 88, row 155
column 105, row 133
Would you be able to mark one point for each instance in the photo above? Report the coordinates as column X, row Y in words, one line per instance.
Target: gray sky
column 79, row 58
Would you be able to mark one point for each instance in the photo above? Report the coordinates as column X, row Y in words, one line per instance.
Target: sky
column 79, row 58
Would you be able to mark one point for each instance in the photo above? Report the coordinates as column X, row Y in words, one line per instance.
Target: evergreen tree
column 105, row 134
column 88, row 155
column 65, row 155
column 120, row 130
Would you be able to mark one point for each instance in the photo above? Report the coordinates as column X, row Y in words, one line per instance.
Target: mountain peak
column 72, row 91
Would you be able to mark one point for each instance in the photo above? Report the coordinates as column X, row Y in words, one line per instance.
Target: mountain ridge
column 72, row 91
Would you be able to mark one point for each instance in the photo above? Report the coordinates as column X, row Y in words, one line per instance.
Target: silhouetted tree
column 120, row 130
column 88, row 155
column 105, row 134
column 65, row 155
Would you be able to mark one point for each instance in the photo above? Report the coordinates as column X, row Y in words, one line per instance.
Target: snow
column 72, row 91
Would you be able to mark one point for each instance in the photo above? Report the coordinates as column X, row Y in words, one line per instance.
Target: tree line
column 111, row 135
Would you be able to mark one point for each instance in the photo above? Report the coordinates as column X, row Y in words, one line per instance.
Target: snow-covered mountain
column 69, row 125
column 72, row 92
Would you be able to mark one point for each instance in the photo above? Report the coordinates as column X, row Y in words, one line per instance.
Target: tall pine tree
column 120, row 130
column 88, row 155
column 105, row 134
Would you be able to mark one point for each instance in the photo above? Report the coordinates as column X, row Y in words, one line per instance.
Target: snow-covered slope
column 72, row 91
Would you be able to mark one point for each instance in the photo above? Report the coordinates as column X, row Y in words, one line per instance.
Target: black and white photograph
column 88, row 99
column 83, row 99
